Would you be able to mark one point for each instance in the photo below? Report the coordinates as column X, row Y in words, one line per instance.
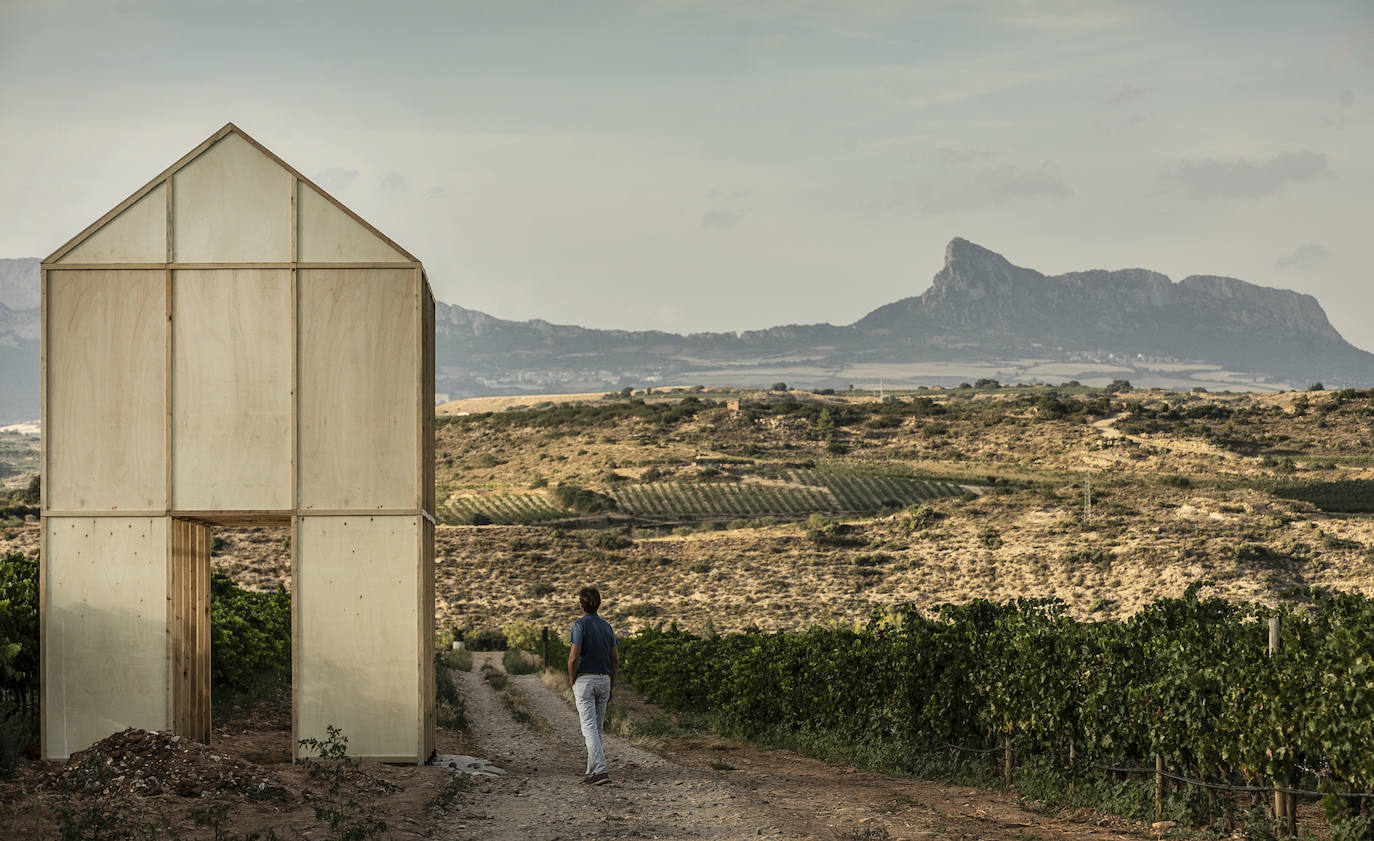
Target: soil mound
column 151, row 762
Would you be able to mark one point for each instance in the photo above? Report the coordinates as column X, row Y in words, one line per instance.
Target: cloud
column 719, row 219
column 395, row 184
column 1243, row 179
column 1128, row 94
column 998, row 184
column 1309, row 255
column 336, row 178
column 1347, row 97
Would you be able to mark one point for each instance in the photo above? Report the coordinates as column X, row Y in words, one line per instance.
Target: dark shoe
column 600, row 779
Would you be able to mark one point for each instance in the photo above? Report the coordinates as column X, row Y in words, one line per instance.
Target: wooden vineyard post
column 1159, row 787
column 1284, row 804
column 1006, row 759
column 545, row 636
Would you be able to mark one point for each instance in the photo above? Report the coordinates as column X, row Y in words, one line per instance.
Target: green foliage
column 516, row 663
column 18, row 630
column 349, row 814
column 990, row 537
column 524, row 635
column 803, row 491
column 500, row 509
column 582, row 500
column 460, row 660
column 449, row 709
column 611, row 541
column 528, row 637
column 1353, row 496
column 1187, row 678
column 250, row 635
column 487, row 639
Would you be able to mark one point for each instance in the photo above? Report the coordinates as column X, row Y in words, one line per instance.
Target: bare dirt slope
column 705, row 789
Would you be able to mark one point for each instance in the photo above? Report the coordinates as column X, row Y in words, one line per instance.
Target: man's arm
column 615, row 667
column 574, row 654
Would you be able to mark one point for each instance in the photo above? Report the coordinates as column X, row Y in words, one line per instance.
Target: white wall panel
column 327, row 234
column 232, row 204
column 357, row 610
column 231, row 390
column 107, row 378
column 138, row 235
column 105, row 649
column 359, row 388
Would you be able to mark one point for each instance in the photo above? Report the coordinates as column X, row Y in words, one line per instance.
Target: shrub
column 250, row 635
column 1099, row 557
column 990, row 538
column 611, row 541
column 1349, row 496
column 582, row 500
column 516, row 662
column 640, row 610
column 449, row 710
column 487, row 639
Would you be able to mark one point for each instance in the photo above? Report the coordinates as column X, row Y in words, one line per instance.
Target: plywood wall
column 359, row 389
column 105, row 639
column 328, row 235
column 232, row 204
column 137, row 235
column 231, row 389
column 106, row 391
column 201, row 366
column 358, row 663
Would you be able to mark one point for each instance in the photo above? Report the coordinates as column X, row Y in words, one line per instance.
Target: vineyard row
column 805, row 492
column 1187, row 680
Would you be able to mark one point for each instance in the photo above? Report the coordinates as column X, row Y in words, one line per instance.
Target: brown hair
column 589, row 598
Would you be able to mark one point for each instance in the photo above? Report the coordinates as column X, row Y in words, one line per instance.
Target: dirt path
column 705, row 790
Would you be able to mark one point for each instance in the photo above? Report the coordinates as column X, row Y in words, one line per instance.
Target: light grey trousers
column 591, row 693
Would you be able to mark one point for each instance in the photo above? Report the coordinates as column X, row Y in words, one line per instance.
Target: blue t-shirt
column 597, row 639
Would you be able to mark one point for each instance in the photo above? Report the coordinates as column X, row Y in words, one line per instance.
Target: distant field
column 797, row 494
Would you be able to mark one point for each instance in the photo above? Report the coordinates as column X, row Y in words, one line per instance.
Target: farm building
column 232, row 346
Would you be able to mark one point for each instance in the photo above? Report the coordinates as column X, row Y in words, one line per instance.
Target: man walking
column 592, row 664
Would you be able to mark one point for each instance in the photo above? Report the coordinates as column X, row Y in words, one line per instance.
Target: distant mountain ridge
column 20, row 295
column 981, row 316
column 981, row 311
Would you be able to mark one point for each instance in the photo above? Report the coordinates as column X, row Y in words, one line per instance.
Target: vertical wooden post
column 1006, row 759
column 1159, row 787
column 1281, row 798
column 545, row 635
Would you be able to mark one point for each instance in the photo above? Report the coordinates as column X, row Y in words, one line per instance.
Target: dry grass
column 1168, row 509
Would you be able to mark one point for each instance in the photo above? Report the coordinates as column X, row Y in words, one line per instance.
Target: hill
column 1107, row 501
column 982, row 317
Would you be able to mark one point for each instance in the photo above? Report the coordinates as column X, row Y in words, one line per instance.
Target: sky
column 693, row 166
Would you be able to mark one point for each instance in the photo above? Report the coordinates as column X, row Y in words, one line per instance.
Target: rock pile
column 151, row 762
